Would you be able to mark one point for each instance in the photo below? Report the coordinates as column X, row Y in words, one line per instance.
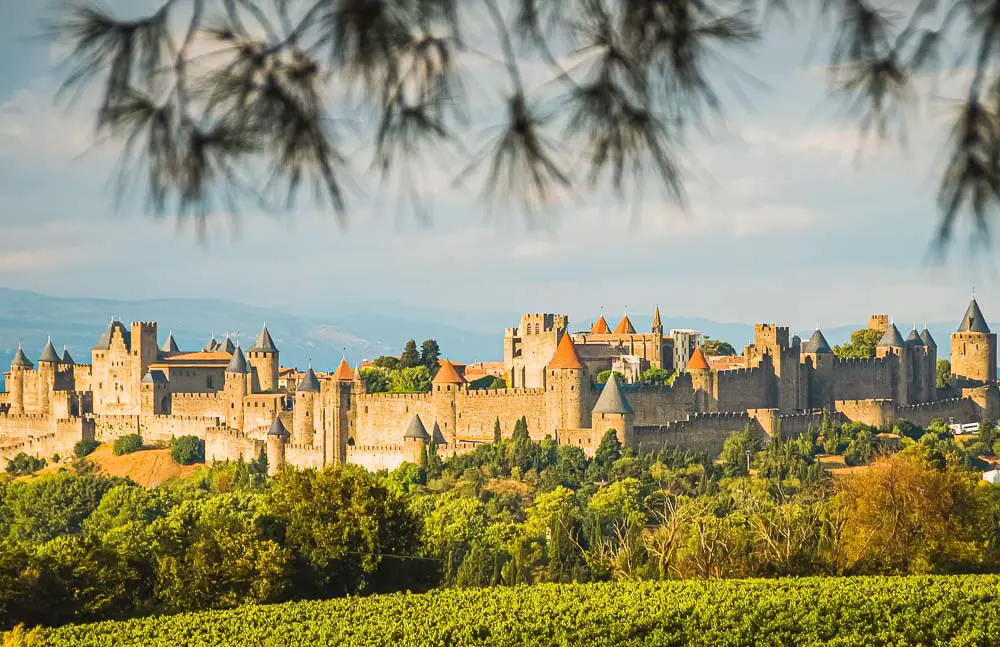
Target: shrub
column 127, row 444
column 187, row 450
column 24, row 464
column 85, row 447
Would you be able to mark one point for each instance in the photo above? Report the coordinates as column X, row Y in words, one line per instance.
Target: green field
column 940, row 610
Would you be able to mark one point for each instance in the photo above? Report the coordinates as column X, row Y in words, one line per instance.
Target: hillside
column 810, row 611
column 147, row 467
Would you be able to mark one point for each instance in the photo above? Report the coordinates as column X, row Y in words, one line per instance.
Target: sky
column 788, row 219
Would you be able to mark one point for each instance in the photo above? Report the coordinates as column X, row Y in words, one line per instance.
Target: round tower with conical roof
column 236, row 388
column 277, row 438
column 304, row 411
column 973, row 350
column 567, row 390
column 263, row 358
column 613, row 411
column 445, row 390
column 15, row 379
column 48, row 362
column 701, row 381
column 892, row 345
column 817, row 358
column 415, row 439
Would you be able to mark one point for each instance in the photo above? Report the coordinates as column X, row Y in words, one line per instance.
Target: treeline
column 80, row 547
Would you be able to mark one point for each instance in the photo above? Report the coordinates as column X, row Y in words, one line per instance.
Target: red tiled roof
column 625, row 327
column 600, row 327
column 697, row 361
column 343, row 372
column 447, row 374
column 565, row 355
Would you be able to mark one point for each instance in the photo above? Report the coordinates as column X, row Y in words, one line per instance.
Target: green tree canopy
column 429, row 354
column 411, row 356
column 862, row 344
column 717, row 347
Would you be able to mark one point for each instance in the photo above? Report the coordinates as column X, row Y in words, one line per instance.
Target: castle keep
column 234, row 400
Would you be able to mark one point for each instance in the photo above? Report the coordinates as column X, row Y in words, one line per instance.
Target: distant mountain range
column 361, row 331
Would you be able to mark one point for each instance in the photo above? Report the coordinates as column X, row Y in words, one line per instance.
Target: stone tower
column 920, row 388
column 893, row 345
column 613, row 411
column 143, row 347
column 816, row 352
column 528, row 348
column 701, row 381
column 15, row 380
column 263, row 358
column 169, row 346
column 277, row 438
column 154, row 395
column 236, row 389
column 973, row 350
column 415, row 440
column 444, row 393
column 304, row 411
column 931, row 349
column 567, row 390
column 48, row 362
column 336, row 394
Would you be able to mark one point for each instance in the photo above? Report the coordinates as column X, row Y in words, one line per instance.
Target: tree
column 943, row 374
column 343, row 526
column 655, row 375
column 862, row 344
column 608, row 451
column 497, row 436
column 387, row 362
column 187, row 450
column 85, row 447
column 127, row 444
column 717, row 347
column 274, row 66
column 737, row 447
column 410, row 357
column 24, row 464
column 376, row 379
column 429, row 354
column 604, row 376
column 416, row 379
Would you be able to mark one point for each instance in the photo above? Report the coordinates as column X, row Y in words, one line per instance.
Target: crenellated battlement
column 197, row 396
column 930, row 406
column 380, row 447
column 859, row 361
column 721, row 415
column 507, row 392
column 393, row 396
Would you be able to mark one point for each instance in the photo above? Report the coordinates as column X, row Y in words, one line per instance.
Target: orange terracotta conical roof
column 625, row 327
column 447, row 374
column 565, row 355
column 600, row 327
column 343, row 372
column 697, row 361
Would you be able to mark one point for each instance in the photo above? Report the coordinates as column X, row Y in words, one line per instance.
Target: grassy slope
column 147, row 467
column 809, row 611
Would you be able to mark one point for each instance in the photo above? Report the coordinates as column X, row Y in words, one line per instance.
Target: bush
column 24, row 464
column 187, row 450
column 127, row 444
column 85, row 448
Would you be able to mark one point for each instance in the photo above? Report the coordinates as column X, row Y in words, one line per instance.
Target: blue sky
column 787, row 222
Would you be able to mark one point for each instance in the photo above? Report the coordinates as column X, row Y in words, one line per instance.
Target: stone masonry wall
column 152, row 428
column 704, row 432
column 198, row 404
column 382, row 418
column 477, row 412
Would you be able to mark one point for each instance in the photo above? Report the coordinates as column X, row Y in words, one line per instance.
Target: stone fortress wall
column 231, row 399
